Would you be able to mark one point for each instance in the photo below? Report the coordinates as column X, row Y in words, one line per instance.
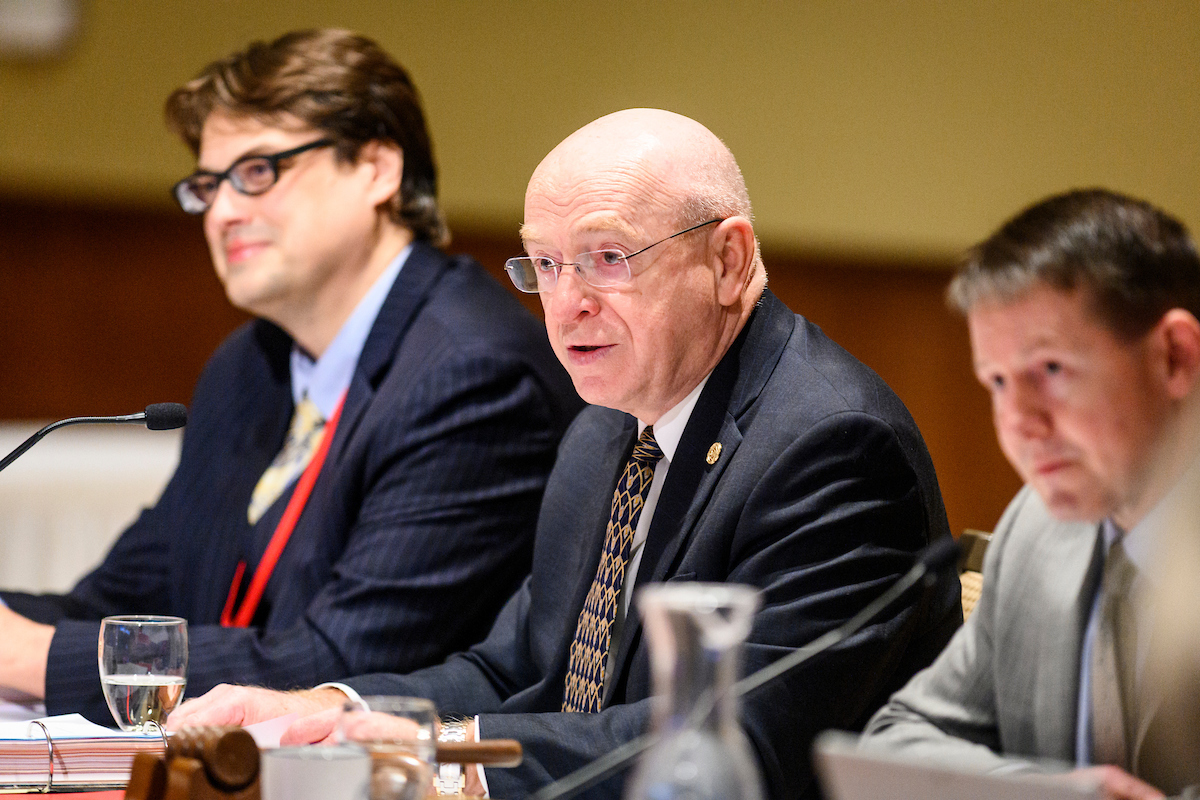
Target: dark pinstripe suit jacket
column 822, row 494
column 419, row 527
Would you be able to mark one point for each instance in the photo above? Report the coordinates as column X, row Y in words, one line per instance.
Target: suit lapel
column 1077, row 554
column 256, row 452
column 1155, row 732
column 420, row 273
column 266, row 438
column 614, row 453
column 732, row 387
column 1146, row 734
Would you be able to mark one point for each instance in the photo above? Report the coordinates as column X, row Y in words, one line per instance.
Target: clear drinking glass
column 398, row 732
column 143, row 669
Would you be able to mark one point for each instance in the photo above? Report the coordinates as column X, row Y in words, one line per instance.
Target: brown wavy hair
column 338, row 82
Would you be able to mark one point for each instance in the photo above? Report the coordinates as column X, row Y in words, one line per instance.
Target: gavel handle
column 489, row 752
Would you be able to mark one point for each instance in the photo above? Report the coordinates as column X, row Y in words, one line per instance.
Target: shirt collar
column 326, row 379
column 1140, row 540
column 1152, row 541
column 669, row 428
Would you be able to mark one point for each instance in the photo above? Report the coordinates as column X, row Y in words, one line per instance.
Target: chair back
column 973, row 545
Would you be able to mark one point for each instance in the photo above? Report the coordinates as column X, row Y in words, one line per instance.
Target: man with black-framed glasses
column 363, row 463
column 729, row 440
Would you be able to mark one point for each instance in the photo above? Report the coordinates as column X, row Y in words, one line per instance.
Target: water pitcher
column 696, row 631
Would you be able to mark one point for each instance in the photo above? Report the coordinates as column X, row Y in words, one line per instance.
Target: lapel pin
column 714, row 453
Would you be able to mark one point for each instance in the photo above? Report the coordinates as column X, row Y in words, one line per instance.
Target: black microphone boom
column 156, row 417
column 937, row 555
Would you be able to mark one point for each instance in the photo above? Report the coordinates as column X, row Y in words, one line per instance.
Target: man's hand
column 1117, row 784
column 246, row 705
column 320, row 727
column 24, row 647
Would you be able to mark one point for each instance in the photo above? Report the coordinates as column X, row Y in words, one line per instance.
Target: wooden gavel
column 199, row 764
column 222, row 763
column 488, row 752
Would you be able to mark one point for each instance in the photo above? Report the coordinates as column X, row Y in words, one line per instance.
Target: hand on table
column 1117, row 784
column 319, row 710
column 318, row 727
column 246, row 705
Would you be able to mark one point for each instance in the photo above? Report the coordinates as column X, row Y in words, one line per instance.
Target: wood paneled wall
column 108, row 309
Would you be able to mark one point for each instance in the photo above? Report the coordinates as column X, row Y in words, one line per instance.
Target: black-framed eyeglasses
column 251, row 175
column 599, row 268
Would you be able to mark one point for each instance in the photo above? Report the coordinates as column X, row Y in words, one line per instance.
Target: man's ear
column 735, row 252
column 1179, row 335
column 386, row 161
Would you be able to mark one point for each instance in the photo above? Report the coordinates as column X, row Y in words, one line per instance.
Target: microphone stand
column 163, row 416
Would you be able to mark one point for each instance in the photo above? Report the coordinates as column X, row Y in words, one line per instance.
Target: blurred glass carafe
column 696, row 631
column 398, row 733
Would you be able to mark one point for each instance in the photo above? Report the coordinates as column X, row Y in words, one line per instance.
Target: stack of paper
column 85, row 754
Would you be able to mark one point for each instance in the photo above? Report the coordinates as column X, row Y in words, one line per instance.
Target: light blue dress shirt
column 326, row 379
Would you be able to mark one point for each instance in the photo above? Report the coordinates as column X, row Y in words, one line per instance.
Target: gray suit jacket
column 1008, row 683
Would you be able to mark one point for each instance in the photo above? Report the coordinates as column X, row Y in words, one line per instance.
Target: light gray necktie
column 1114, row 662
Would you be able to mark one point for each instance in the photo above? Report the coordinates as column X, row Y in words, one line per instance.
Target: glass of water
column 143, row 669
column 398, row 732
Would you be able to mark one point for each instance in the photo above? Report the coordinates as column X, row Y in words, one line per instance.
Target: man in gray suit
column 1083, row 320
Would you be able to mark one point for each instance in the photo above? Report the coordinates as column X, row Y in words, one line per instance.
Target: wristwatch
column 450, row 778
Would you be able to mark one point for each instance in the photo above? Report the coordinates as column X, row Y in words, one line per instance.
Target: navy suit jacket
column 418, row 529
column 822, row 493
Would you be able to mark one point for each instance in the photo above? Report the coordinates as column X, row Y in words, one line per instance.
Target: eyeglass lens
column 252, row 176
column 599, row 268
column 249, row 175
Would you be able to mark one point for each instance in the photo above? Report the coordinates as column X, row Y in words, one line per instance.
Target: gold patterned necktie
column 1113, row 666
column 303, row 439
column 589, row 650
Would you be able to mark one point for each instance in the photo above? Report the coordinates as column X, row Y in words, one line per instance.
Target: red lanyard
column 279, row 539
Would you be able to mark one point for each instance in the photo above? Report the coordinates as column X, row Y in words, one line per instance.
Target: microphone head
column 165, row 416
column 940, row 553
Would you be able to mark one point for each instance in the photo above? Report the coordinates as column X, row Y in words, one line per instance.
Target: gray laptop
column 847, row 773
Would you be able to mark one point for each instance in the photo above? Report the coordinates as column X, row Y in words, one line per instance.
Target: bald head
column 677, row 165
column 646, row 215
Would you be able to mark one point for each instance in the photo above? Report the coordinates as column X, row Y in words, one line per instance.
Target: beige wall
column 895, row 128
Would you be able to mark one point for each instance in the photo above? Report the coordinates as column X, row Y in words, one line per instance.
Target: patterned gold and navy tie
column 589, row 650
column 303, row 439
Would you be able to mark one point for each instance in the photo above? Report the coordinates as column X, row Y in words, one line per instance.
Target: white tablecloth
column 63, row 503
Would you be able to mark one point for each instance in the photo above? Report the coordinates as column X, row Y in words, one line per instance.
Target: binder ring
column 20, row 787
column 49, row 757
column 161, row 732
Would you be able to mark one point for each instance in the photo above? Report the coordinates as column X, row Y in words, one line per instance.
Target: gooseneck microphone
column 933, row 558
column 156, row 417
